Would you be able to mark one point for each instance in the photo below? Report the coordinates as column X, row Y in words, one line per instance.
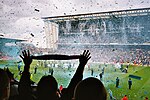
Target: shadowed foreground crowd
column 47, row 88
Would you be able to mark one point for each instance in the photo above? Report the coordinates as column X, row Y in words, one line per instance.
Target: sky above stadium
column 22, row 18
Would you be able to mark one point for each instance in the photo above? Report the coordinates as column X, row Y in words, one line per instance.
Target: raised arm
column 82, row 62
column 79, row 72
column 78, row 75
column 25, row 91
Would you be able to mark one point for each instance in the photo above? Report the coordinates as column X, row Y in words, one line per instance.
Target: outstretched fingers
column 87, row 54
column 28, row 53
column 21, row 57
column 88, row 57
column 26, row 57
column 84, row 52
column 25, row 54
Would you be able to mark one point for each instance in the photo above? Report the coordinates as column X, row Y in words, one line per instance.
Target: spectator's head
column 4, row 85
column 47, row 88
column 90, row 89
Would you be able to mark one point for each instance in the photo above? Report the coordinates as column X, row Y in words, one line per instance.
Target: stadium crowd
column 113, row 53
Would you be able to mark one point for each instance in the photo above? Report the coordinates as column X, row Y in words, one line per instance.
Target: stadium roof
column 129, row 12
column 8, row 40
column 105, row 44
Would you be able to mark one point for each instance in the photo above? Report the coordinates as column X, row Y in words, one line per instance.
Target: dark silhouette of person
column 52, row 71
column 127, row 66
column 130, row 83
column 24, row 88
column 111, row 95
column 103, row 70
column 19, row 66
column 35, row 70
column 90, row 89
column 101, row 76
column 47, row 88
column 117, row 82
column 4, row 85
column 13, row 84
column 92, row 72
column 49, row 70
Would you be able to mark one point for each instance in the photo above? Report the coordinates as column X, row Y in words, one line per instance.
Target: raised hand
column 78, row 76
column 26, row 59
column 84, row 57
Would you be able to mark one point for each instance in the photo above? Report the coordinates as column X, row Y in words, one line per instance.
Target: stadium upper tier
column 122, row 27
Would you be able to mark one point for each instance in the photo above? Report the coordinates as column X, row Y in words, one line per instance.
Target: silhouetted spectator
column 24, row 88
column 101, row 76
column 111, row 95
column 13, row 83
column 4, row 85
column 35, row 69
column 47, row 88
column 92, row 72
column 117, row 82
column 130, row 83
column 103, row 70
column 19, row 66
column 52, row 71
column 90, row 89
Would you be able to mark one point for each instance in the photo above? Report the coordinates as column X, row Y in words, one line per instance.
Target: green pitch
column 140, row 88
